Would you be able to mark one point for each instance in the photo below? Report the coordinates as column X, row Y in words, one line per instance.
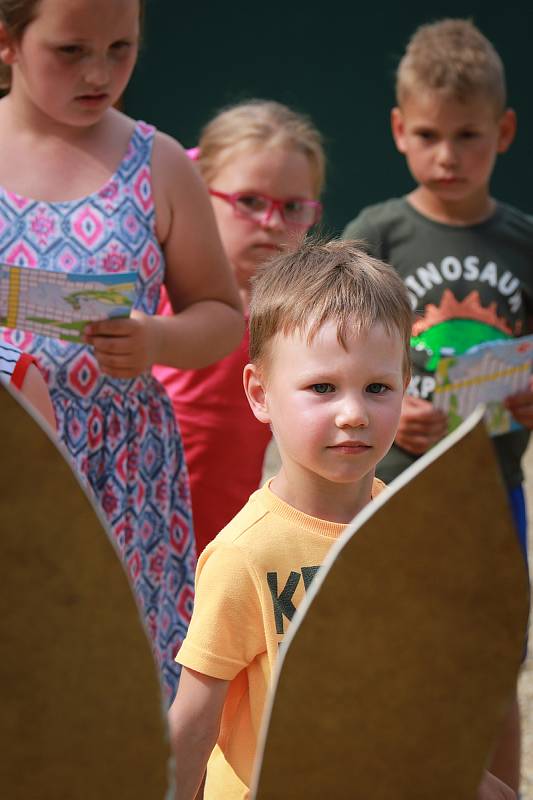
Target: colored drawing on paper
column 457, row 325
column 485, row 374
column 60, row 305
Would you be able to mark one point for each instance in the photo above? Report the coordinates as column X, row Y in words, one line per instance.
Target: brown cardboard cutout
column 81, row 709
column 398, row 667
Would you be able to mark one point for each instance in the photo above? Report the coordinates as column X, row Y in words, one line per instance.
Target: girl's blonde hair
column 260, row 123
column 16, row 15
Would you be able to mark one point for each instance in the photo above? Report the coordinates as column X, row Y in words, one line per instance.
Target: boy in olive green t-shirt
column 466, row 259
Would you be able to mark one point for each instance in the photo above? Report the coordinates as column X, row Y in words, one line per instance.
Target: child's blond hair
column 322, row 281
column 260, row 123
column 451, row 56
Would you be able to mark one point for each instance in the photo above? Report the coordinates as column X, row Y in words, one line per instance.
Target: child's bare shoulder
column 178, row 189
column 169, row 154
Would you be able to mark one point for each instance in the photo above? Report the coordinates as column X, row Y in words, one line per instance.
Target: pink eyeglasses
column 258, row 208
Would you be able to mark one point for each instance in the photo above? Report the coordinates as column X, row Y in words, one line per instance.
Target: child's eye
column 251, row 202
column 322, row 388
column 293, row 208
column 468, row 134
column 426, row 136
column 376, row 388
column 120, row 46
column 70, row 49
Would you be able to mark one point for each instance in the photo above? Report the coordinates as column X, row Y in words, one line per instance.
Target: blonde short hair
column 322, row 281
column 454, row 57
column 263, row 123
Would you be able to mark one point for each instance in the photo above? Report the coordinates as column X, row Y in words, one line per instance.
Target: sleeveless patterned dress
column 121, row 433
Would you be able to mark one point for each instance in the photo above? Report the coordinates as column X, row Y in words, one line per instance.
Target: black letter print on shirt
column 282, row 603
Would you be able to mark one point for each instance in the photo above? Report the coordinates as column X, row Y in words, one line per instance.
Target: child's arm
column 208, row 322
column 421, row 425
column 491, row 788
column 521, row 406
column 35, row 391
column 194, row 721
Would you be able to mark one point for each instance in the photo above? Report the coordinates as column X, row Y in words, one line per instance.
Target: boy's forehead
column 293, row 345
column 311, row 348
column 437, row 105
column 310, row 333
column 315, row 336
column 381, row 349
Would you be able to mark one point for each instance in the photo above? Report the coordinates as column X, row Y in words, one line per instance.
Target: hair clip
column 193, row 153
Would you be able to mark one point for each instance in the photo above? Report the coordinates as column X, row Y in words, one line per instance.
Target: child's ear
column 254, row 388
column 398, row 129
column 7, row 46
column 507, row 130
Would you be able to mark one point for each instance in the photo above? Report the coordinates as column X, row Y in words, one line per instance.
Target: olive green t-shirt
column 467, row 284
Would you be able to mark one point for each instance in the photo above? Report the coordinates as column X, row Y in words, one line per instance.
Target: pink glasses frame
column 275, row 203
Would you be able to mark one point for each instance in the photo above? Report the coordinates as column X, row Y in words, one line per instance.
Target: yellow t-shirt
column 249, row 583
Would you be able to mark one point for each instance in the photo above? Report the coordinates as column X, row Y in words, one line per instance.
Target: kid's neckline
column 86, row 197
column 315, row 525
column 448, row 226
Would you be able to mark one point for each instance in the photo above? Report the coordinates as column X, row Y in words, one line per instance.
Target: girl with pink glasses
column 264, row 166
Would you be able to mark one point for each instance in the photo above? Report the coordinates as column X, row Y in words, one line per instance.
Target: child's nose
column 447, row 154
column 97, row 73
column 351, row 413
column 273, row 219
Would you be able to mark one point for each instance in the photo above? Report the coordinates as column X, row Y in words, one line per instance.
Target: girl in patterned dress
column 85, row 189
column 19, row 371
column 249, row 154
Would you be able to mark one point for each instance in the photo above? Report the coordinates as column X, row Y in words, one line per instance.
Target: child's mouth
column 350, row 447
column 92, row 99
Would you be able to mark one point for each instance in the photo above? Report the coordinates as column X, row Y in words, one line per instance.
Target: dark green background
column 333, row 61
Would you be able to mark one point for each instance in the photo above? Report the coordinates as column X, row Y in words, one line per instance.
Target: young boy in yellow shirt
column 329, row 363
column 465, row 258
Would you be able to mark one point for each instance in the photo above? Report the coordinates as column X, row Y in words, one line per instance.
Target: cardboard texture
column 82, row 713
column 399, row 665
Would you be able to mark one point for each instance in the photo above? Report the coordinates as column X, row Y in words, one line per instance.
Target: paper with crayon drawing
column 485, row 374
column 59, row 304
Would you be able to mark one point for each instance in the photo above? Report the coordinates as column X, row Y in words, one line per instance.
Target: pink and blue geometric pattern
column 121, row 434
